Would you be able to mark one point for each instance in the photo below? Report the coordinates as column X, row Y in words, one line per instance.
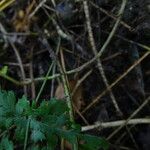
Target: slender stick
column 131, row 116
column 26, row 134
column 115, row 82
column 29, row 81
column 99, row 64
column 18, row 58
column 111, row 124
column 44, row 82
column 67, row 94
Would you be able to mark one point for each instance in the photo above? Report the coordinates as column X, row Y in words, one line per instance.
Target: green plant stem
column 29, row 81
column 26, row 135
column 69, row 103
column 66, row 86
column 44, row 82
column 19, row 83
column 3, row 133
column 79, row 68
column 67, row 93
column 37, row 98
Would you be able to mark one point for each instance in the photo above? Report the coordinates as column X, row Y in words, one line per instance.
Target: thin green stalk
column 66, row 90
column 69, row 103
column 44, row 82
column 29, row 81
column 80, row 68
column 66, row 85
column 27, row 133
column 41, row 89
column 11, row 79
column 36, row 100
column 68, row 96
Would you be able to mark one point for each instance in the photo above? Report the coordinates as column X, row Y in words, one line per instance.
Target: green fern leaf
column 22, row 105
column 5, row 144
column 37, row 135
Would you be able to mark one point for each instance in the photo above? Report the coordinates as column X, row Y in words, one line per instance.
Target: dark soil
column 36, row 40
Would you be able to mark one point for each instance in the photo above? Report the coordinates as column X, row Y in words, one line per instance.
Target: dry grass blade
column 5, row 3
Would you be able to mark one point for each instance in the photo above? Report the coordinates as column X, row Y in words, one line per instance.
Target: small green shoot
column 47, row 123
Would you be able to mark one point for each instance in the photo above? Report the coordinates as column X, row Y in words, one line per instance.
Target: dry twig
column 100, row 67
column 115, row 82
column 112, row 124
column 130, row 117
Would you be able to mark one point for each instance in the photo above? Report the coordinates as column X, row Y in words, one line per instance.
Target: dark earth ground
column 35, row 36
